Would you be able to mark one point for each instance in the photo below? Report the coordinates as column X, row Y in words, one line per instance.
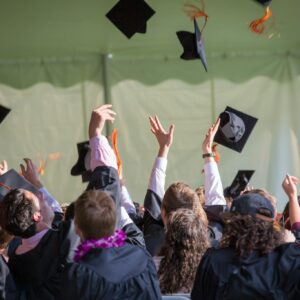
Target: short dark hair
column 17, row 214
column 95, row 214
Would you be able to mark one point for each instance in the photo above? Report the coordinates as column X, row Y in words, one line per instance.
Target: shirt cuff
column 50, row 200
column 161, row 164
column 101, row 153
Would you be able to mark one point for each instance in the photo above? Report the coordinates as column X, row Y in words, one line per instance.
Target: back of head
column 181, row 195
column 186, row 242
column 95, row 214
column 250, row 225
column 17, row 210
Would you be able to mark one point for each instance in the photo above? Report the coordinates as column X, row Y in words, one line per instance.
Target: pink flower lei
column 114, row 241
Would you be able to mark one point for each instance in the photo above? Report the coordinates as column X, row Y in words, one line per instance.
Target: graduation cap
column 239, row 183
column 235, row 129
column 130, row 16
column 82, row 166
column 4, row 111
column 193, row 45
column 13, row 180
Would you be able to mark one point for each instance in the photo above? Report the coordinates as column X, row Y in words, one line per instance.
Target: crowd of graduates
column 197, row 244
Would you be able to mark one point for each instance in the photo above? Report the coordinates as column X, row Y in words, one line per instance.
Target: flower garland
column 114, row 241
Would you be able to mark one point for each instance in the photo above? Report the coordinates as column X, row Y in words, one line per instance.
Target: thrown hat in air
column 82, row 166
column 13, row 180
column 4, row 111
column 130, row 16
column 239, row 183
column 235, row 129
column 193, row 45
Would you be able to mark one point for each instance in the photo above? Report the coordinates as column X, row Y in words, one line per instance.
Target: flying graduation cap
column 82, row 166
column 193, row 43
column 13, row 180
column 239, row 183
column 257, row 26
column 4, row 111
column 130, row 16
column 235, row 129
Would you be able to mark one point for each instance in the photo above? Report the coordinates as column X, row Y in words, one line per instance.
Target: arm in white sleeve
column 126, row 201
column 213, row 185
column 158, row 176
column 50, row 200
column 101, row 153
column 124, row 218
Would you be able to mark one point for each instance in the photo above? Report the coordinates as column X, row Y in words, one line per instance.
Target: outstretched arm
column 31, row 174
column 290, row 188
column 101, row 152
column 213, row 184
column 165, row 140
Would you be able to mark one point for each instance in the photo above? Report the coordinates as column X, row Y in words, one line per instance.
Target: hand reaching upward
column 164, row 139
column 99, row 116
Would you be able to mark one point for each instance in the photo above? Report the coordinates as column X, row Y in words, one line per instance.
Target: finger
column 111, row 112
column 216, row 125
column 159, row 124
column 5, row 165
column 153, row 124
column 152, row 130
column 103, row 107
column 171, row 130
column 22, row 169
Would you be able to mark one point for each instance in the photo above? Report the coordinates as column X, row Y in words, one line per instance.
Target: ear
column 78, row 231
column 163, row 215
column 37, row 217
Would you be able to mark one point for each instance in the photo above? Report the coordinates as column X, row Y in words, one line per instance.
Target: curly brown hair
column 186, row 242
column 246, row 233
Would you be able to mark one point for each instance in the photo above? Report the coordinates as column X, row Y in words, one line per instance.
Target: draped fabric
column 52, row 114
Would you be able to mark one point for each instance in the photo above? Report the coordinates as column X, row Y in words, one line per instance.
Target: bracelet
column 211, row 154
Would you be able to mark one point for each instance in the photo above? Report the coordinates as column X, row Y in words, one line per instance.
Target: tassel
column 257, row 26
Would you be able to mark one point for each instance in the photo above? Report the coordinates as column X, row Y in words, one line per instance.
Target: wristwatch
column 211, row 154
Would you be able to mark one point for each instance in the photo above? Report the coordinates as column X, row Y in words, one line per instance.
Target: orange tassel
column 257, row 26
column 114, row 137
column 214, row 150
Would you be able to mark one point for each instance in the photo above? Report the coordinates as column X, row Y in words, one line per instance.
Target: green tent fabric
column 60, row 59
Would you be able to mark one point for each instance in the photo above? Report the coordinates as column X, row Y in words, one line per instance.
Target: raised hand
column 30, row 172
column 289, row 186
column 209, row 137
column 99, row 116
column 3, row 167
column 164, row 139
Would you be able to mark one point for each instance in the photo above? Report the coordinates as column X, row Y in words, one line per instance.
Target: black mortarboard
column 263, row 2
column 4, row 111
column 239, row 183
column 193, row 45
column 235, row 129
column 130, row 16
column 13, row 180
column 82, row 166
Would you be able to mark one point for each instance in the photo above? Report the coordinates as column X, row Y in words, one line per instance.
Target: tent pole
column 106, row 87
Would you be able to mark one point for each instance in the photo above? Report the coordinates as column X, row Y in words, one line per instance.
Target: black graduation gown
column 107, row 180
column 37, row 273
column 123, row 273
column 223, row 275
column 7, row 284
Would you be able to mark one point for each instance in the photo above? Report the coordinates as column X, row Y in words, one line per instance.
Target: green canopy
column 60, row 59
